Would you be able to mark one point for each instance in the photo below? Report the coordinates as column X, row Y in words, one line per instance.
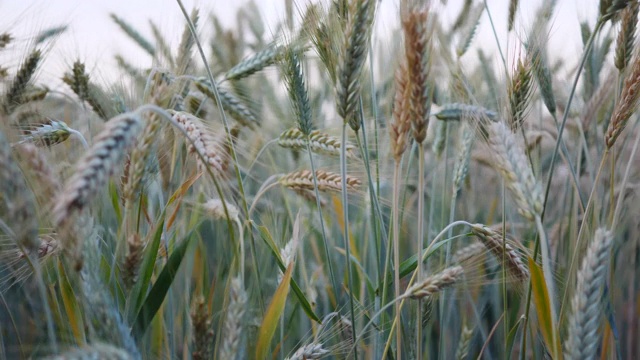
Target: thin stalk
column 325, row 240
column 574, row 177
column 548, row 184
column 345, row 233
column 420, row 242
column 396, row 252
column 375, row 118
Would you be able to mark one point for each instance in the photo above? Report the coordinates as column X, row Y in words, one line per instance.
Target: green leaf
column 158, row 292
column 115, row 200
column 272, row 316
column 543, row 309
column 139, row 290
column 71, row 306
column 275, row 252
column 511, row 337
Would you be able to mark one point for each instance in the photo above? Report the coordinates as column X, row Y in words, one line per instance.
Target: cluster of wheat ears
column 323, row 190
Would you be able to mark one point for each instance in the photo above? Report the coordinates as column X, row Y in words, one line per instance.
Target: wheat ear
column 626, row 105
column 435, row 283
column 327, row 181
column 493, row 241
column 513, row 165
column 582, row 338
column 354, row 53
column 233, row 323
column 97, row 165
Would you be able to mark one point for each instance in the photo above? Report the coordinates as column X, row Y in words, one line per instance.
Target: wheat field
column 311, row 191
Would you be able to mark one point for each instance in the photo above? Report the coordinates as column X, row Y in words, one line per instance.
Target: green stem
column 345, row 233
column 420, row 242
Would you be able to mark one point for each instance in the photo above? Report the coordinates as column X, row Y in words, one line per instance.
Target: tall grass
column 326, row 190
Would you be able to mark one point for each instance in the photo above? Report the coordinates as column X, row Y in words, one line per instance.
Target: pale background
column 94, row 38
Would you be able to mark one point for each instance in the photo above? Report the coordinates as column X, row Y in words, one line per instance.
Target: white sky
column 94, row 38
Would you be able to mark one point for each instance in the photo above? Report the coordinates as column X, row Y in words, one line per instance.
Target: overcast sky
column 94, row 38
